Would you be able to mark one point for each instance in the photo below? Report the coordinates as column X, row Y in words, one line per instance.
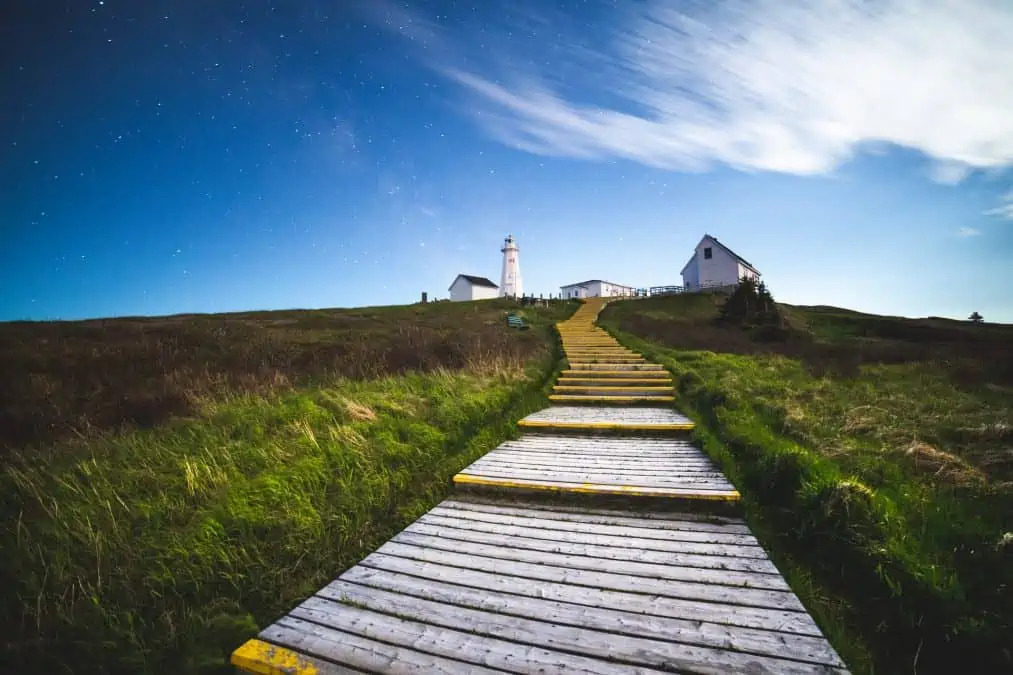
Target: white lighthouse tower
column 510, row 283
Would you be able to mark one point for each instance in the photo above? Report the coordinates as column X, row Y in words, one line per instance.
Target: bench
column 514, row 321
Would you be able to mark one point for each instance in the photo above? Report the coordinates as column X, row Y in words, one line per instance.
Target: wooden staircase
column 577, row 548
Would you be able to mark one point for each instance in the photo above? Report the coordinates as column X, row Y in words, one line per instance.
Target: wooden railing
column 674, row 290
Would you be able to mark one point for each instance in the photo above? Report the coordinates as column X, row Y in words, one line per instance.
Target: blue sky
column 167, row 157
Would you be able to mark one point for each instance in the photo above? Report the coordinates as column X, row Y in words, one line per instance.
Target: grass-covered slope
column 876, row 457
column 64, row 378
column 161, row 548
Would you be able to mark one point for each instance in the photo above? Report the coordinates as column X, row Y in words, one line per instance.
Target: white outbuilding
column 594, row 288
column 714, row 265
column 468, row 287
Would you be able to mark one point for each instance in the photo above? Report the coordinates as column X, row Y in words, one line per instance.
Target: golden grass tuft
column 358, row 411
column 944, row 466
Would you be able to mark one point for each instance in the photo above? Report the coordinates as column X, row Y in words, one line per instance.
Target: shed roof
column 593, row 281
column 726, row 250
column 474, row 281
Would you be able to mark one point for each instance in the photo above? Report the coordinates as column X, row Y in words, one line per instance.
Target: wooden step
column 598, row 390
column 616, row 373
column 614, row 381
column 656, row 462
column 603, row 399
column 622, row 420
column 619, row 351
column 602, row 365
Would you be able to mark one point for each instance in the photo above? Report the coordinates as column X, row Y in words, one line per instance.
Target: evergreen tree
column 976, row 318
column 750, row 304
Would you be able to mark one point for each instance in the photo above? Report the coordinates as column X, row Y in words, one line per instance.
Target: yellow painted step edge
column 608, row 352
column 721, row 496
column 595, row 387
column 563, row 398
column 571, row 372
column 262, row 658
column 613, row 381
column 634, row 365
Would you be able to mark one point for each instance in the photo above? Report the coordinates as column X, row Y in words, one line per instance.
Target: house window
column 707, row 253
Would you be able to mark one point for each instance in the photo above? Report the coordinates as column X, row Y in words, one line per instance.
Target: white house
column 596, row 288
column 714, row 264
column 468, row 287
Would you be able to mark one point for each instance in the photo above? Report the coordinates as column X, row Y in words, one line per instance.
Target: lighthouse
column 510, row 283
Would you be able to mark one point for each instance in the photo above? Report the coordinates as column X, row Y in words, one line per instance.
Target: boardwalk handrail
column 674, row 290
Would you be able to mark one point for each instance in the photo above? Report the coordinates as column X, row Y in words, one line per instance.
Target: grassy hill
column 876, row 457
column 167, row 485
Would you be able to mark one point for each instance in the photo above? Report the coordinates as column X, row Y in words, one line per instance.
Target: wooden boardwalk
column 504, row 583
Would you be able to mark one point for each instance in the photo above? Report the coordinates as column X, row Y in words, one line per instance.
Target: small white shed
column 594, row 288
column 469, row 287
column 713, row 265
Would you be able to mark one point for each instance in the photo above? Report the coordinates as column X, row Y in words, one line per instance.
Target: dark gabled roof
column 475, row 281
column 733, row 254
column 726, row 250
column 592, row 281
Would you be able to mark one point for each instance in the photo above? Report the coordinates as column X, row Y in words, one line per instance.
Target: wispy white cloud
column 1004, row 210
column 968, row 232
column 774, row 85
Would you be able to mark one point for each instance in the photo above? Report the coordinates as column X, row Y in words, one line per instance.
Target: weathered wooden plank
column 532, row 441
column 785, row 621
column 668, row 467
column 569, row 372
column 612, row 442
column 642, row 440
column 701, row 575
column 599, row 478
column 577, row 471
column 675, row 473
column 610, row 647
column 499, row 483
column 653, row 461
column 644, row 398
column 600, row 414
column 605, row 452
column 562, row 535
column 624, row 531
column 673, row 521
column 462, row 645
column 615, row 365
column 613, row 552
column 363, row 654
column 690, row 590
column 637, row 465
column 702, row 633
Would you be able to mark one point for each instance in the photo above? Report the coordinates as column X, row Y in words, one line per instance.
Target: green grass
column 64, row 379
column 874, row 455
column 153, row 550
